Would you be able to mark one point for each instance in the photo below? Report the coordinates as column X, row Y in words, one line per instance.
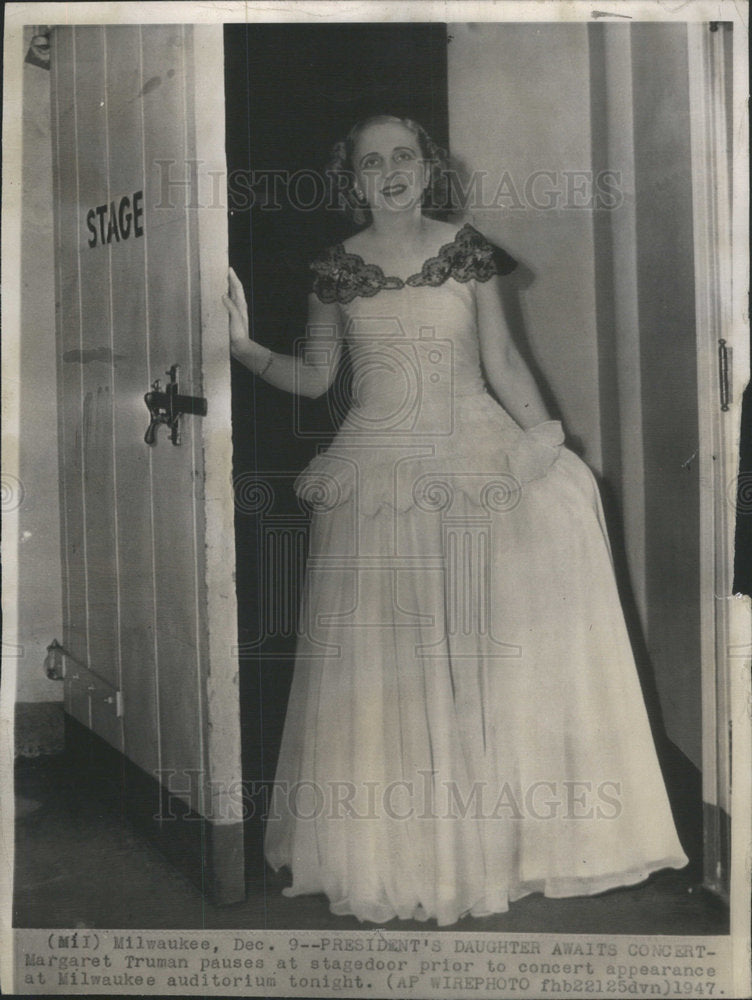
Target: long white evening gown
column 465, row 723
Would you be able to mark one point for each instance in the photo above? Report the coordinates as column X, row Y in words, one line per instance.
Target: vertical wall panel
column 93, row 359
column 75, row 631
column 130, row 333
column 37, row 599
column 616, row 291
column 666, row 296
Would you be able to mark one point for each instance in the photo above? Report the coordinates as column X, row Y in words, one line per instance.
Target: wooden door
column 150, row 627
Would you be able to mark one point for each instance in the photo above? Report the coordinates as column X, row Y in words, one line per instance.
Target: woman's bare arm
column 505, row 369
column 309, row 374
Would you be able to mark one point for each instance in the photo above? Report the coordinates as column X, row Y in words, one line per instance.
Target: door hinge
column 724, row 374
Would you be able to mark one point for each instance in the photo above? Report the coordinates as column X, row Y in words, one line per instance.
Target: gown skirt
column 465, row 724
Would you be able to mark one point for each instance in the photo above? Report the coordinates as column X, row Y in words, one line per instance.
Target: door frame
column 222, row 698
column 725, row 625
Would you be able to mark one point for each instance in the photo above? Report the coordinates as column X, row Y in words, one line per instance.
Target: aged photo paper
column 377, row 499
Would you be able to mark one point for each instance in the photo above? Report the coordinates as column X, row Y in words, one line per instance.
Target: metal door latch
column 167, row 405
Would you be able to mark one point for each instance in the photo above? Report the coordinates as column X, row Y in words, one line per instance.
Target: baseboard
column 38, row 728
column 210, row 854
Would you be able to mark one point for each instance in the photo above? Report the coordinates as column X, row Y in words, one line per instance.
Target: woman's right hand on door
column 235, row 303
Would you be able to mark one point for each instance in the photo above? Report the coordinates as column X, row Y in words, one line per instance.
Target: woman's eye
column 370, row 163
column 404, row 156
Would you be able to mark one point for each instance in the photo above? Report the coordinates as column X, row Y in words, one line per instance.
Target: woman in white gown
column 465, row 723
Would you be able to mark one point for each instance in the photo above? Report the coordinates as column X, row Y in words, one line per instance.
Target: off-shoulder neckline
column 341, row 252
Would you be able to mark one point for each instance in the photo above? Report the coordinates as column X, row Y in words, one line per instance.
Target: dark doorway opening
column 291, row 92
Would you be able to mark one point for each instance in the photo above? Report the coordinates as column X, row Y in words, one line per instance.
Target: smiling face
column 389, row 166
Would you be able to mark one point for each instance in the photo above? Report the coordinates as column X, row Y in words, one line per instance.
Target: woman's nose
column 399, row 170
column 373, row 175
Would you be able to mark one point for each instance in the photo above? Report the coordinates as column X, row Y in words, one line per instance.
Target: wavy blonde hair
column 341, row 170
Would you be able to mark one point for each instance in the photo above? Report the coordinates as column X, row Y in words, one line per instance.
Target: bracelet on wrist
column 261, row 371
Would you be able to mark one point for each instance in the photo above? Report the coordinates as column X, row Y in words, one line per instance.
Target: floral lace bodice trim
column 340, row 276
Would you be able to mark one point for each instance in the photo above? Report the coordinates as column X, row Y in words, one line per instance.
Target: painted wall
column 605, row 295
column 665, row 278
column 519, row 119
column 39, row 576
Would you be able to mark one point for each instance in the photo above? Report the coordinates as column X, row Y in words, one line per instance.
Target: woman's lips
column 394, row 189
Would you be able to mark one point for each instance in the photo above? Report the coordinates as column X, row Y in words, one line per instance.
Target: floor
column 79, row 863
